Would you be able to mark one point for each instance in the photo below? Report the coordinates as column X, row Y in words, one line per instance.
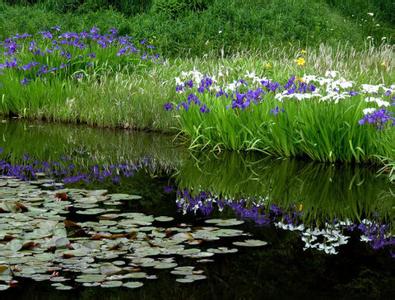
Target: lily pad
column 250, row 243
column 164, row 219
column 133, row 284
column 225, row 222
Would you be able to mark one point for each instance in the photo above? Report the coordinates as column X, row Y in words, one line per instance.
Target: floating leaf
column 133, row 284
column 164, row 219
column 250, row 243
column 111, row 284
column 224, row 222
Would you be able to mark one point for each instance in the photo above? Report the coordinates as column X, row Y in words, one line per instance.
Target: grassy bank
column 107, row 79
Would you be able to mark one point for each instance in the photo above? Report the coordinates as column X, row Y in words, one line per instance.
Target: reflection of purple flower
column 168, row 189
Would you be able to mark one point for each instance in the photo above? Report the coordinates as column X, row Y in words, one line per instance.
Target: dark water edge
column 280, row 270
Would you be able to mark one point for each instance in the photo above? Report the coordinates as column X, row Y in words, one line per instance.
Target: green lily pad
column 112, row 284
column 124, row 197
column 250, row 243
column 133, row 284
column 164, row 219
column 90, row 278
column 225, row 222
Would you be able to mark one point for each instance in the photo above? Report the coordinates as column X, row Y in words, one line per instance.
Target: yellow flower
column 300, row 61
column 268, row 66
column 300, row 206
column 300, row 79
column 303, row 51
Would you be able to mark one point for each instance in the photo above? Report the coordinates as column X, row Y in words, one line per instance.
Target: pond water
column 97, row 213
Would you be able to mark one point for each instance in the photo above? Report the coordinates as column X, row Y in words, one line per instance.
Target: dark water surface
column 281, row 202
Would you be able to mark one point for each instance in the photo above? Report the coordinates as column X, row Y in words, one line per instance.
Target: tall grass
column 185, row 28
column 319, row 131
column 135, row 99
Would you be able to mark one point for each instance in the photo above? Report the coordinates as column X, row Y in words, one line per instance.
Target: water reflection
column 294, row 196
column 323, row 192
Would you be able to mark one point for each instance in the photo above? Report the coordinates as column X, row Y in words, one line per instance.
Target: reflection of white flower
column 365, row 239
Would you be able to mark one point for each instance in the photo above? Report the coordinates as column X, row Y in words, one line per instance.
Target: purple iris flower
column 179, row 88
column 378, row 118
column 122, row 51
column 102, row 43
column 67, row 55
column 47, row 35
column 32, row 45
column 192, row 98
column 168, row 106
column 290, row 83
column 29, row 66
column 25, row 81
column 189, row 83
column 312, row 87
column 113, row 31
column 184, row 105
column 56, row 28
column 275, row 111
column 204, row 109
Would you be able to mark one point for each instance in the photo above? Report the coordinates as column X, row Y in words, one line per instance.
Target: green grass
column 128, row 92
column 194, row 28
column 316, row 130
column 135, row 99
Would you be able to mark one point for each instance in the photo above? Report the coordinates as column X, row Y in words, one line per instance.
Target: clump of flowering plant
column 53, row 53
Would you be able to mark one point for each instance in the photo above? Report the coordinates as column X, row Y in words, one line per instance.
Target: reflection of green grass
column 87, row 146
column 324, row 191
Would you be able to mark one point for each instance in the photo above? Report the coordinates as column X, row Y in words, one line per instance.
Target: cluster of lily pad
column 53, row 53
column 327, row 238
column 201, row 91
column 41, row 239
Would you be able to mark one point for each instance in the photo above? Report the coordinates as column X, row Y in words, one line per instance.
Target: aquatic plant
column 42, row 240
column 327, row 237
column 309, row 116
